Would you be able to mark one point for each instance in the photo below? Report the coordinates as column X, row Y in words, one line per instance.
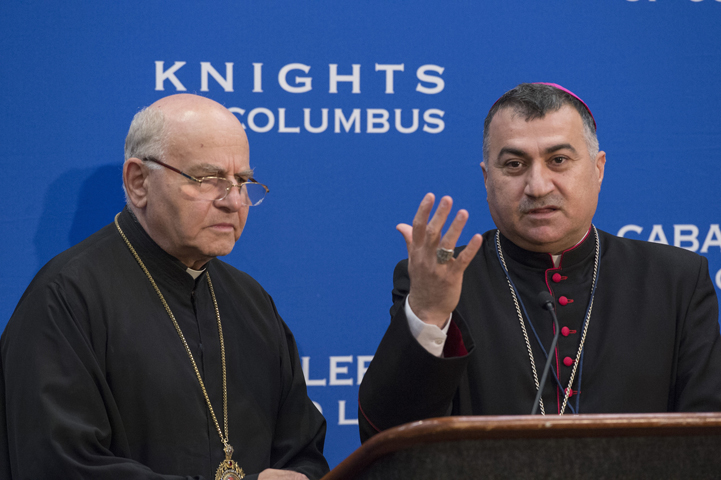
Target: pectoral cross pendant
column 228, row 469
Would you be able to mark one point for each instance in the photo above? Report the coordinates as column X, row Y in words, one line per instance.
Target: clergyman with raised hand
column 638, row 321
column 137, row 354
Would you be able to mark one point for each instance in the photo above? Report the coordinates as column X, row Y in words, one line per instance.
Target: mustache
column 528, row 204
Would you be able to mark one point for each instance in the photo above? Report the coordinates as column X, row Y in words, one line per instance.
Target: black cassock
column 96, row 383
column 652, row 343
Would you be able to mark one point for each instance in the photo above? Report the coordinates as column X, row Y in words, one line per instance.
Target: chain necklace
column 228, row 469
column 586, row 321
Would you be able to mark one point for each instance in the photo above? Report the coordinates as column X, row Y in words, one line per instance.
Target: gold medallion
column 228, row 469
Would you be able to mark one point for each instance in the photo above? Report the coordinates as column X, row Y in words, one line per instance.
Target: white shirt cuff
column 430, row 337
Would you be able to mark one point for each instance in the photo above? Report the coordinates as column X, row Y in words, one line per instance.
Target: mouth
column 543, row 212
column 223, row 227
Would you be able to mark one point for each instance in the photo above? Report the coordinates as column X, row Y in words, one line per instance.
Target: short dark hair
column 535, row 100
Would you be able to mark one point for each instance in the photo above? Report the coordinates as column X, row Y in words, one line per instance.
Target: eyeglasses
column 214, row 188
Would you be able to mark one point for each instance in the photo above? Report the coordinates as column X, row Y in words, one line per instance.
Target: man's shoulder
column 69, row 275
column 642, row 249
column 653, row 261
column 229, row 273
column 90, row 254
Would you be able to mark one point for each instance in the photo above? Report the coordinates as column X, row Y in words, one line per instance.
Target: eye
column 558, row 160
column 514, row 166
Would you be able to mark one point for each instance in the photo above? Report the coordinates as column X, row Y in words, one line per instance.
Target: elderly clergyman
column 638, row 321
column 137, row 354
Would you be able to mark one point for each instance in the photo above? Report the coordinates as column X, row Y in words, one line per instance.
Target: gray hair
column 533, row 101
column 146, row 136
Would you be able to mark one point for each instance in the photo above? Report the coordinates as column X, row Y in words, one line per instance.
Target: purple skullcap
column 555, row 85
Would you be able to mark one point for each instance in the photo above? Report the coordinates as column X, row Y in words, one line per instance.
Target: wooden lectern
column 644, row 446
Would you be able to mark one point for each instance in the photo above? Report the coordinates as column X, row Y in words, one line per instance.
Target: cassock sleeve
column 4, row 449
column 60, row 425
column 300, row 428
column 404, row 382
column 698, row 376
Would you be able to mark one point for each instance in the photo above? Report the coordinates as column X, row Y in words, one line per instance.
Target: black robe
column 652, row 345
column 96, row 383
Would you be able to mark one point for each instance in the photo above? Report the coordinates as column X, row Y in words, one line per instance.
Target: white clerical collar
column 556, row 260
column 194, row 273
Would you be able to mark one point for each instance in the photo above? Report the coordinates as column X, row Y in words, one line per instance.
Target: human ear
column 135, row 174
column 600, row 166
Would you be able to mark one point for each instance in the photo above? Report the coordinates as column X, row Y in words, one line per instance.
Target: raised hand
column 435, row 286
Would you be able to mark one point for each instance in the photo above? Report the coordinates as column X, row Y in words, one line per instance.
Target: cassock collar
column 160, row 263
column 573, row 256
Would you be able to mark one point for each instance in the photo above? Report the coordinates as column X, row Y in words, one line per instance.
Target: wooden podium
column 653, row 446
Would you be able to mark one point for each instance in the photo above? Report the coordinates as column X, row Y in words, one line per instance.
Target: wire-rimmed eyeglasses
column 214, row 188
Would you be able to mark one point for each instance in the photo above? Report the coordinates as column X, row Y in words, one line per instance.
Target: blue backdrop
column 395, row 94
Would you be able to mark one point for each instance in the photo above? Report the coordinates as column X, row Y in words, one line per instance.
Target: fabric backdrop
column 353, row 110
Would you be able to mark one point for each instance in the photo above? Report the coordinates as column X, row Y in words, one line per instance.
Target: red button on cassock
column 565, row 331
column 568, row 361
column 556, row 277
column 562, row 301
column 570, row 392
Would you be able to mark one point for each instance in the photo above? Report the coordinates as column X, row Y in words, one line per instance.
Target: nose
column 539, row 181
column 235, row 199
